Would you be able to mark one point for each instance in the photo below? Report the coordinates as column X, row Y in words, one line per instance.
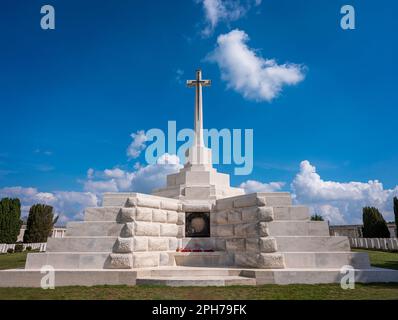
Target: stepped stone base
column 194, row 276
column 32, row 278
column 258, row 238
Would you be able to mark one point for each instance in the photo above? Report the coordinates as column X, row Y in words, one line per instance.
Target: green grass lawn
column 265, row 292
column 13, row 260
column 382, row 259
column 310, row 292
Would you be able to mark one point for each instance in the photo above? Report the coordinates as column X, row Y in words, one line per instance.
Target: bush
column 317, row 217
column 10, row 250
column 10, row 220
column 40, row 223
column 29, row 248
column 18, row 247
column 374, row 225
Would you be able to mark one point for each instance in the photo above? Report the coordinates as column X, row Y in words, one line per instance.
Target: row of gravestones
column 34, row 246
column 389, row 244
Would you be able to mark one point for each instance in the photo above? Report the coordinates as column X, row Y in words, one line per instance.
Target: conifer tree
column 374, row 225
column 10, row 220
column 40, row 223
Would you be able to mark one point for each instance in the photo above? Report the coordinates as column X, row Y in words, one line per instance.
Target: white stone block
column 223, row 230
column 102, row 214
column 173, row 244
column 147, row 259
column 249, row 201
column 146, row 229
column 268, row 245
column 181, row 218
column 197, row 193
column 234, row 216
column 250, row 214
column 159, row 215
column 120, row 261
column 164, row 259
column 235, row 244
column 158, row 244
column 181, row 231
column 131, row 202
column 127, row 214
column 148, row 202
column 257, row 214
column 172, row 217
column 271, row 261
column 220, row 245
column 251, row 229
column 124, row 245
column 224, row 204
column 169, row 205
column 262, row 229
column 140, row 244
column 252, row 245
column 168, row 230
column 197, row 206
column 245, row 259
column 266, row 214
column 127, row 230
column 241, row 230
column 143, row 214
column 220, row 217
column 198, row 243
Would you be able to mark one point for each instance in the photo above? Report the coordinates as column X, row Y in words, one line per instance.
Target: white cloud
column 179, row 75
column 99, row 187
column 45, row 152
column 44, row 168
column 217, row 11
column 340, row 202
column 251, row 186
column 68, row 204
column 143, row 179
column 248, row 73
column 329, row 213
column 137, row 145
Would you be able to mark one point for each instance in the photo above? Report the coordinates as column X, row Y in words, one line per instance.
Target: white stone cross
column 198, row 84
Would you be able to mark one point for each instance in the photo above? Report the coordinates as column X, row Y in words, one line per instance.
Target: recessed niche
column 197, row 224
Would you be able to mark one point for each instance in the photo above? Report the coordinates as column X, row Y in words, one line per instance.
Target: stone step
column 93, row 228
column 298, row 228
column 291, row 213
column 202, row 259
column 317, row 276
column 281, row 212
column 33, row 278
column 63, row 260
column 81, row 244
column 187, row 272
column 102, row 214
column 312, row 244
column 276, row 198
column 201, row 281
column 326, row 259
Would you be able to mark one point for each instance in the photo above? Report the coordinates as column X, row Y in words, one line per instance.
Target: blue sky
column 71, row 97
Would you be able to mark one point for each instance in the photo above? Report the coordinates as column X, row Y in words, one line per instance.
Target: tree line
column 39, row 225
column 374, row 225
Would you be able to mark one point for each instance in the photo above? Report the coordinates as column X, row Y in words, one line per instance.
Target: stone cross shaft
column 198, row 125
